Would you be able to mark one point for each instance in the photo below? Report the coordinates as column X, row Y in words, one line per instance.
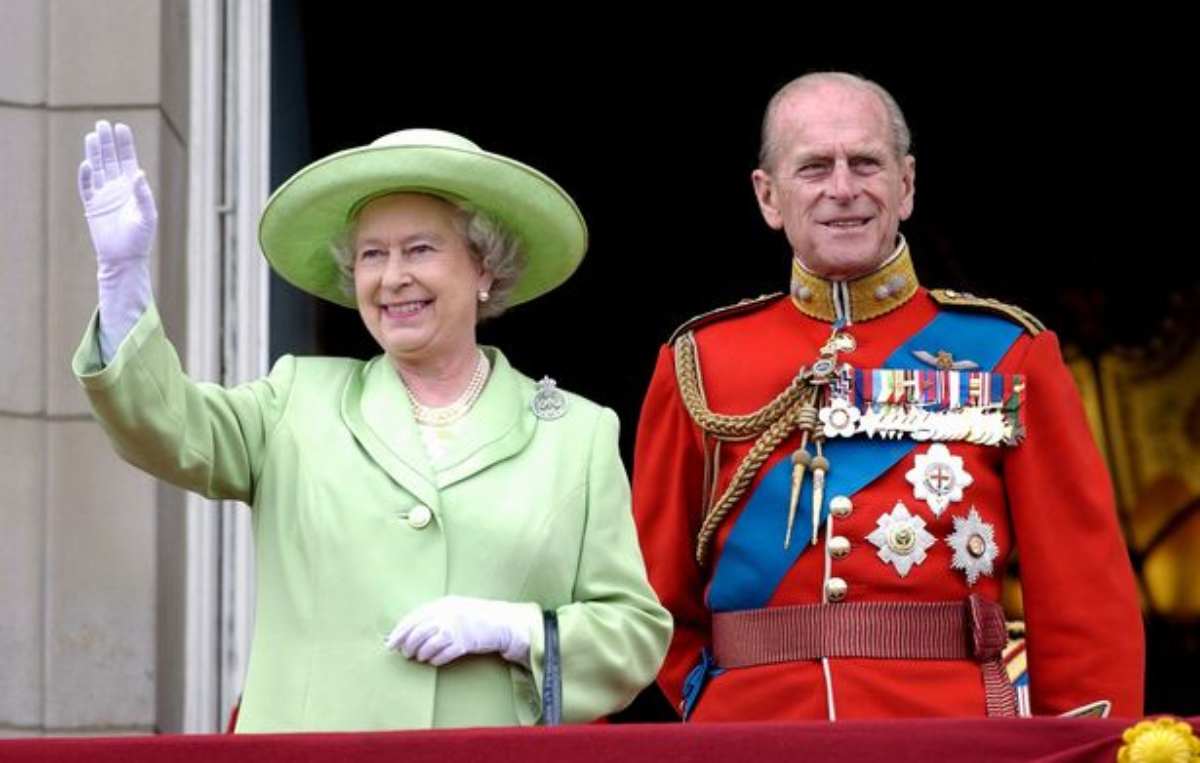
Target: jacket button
column 839, row 546
column 835, row 589
column 419, row 517
column 840, row 506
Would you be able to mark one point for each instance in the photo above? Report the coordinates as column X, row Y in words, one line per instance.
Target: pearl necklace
column 440, row 416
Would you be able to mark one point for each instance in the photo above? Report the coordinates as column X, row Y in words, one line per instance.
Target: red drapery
column 919, row 741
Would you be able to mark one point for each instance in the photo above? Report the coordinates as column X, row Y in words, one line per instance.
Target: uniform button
column 419, row 517
column 840, row 506
column 839, row 546
column 835, row 589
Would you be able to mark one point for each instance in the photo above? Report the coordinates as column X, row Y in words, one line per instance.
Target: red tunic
column 1050, row 497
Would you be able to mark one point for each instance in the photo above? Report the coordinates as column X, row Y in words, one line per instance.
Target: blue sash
column 753, row 560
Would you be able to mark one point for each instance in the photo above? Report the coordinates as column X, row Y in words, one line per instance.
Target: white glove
column 447, row 628
column 121, row 217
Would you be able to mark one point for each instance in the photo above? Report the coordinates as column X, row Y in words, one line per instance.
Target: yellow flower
column 1164, row 740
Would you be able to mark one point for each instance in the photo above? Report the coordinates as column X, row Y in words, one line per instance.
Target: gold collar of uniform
column 859, row 299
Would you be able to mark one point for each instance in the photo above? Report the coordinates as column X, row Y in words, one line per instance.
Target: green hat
column 306, row 212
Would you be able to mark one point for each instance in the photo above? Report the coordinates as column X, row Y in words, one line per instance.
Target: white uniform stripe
column 830, row 706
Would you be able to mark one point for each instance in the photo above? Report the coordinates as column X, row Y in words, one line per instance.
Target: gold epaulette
column 744, row 306
column 957, row 299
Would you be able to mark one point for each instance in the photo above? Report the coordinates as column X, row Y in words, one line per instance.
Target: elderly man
column 829, row 484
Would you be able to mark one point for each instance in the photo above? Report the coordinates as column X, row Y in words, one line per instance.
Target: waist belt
column 973, row 629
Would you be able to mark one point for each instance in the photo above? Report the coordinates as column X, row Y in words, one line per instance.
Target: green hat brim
column 304, row 214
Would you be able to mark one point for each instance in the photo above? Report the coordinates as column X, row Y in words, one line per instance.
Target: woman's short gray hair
column 497, row 251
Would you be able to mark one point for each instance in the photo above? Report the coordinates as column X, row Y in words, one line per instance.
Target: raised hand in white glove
column 447, row 628
column 121, row 218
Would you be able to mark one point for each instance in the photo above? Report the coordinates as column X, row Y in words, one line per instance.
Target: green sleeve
column 614, row 634
column 199, row 436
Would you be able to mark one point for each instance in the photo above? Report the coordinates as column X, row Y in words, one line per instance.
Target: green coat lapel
column 499, row 425
column 376, row 409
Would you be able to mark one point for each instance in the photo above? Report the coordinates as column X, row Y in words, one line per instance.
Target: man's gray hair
column 901, row 136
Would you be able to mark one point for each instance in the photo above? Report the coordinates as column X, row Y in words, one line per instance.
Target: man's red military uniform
column 916, row 517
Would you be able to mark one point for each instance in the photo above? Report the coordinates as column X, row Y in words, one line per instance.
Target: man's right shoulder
column 728, row 312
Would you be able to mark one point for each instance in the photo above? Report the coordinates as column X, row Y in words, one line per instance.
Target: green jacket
column 327, row 454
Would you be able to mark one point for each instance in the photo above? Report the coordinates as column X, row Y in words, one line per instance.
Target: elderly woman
column 417, row 514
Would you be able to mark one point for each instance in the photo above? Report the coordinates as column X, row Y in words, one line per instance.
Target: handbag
column 551, row 673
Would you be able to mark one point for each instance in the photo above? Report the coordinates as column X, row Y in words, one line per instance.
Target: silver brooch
column 549, row 403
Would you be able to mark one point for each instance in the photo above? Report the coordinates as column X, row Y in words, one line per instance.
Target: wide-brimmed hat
column 305, row 213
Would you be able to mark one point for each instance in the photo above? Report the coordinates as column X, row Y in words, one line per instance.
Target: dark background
column 1053, row 172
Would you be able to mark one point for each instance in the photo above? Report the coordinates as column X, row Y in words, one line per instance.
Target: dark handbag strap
column 551, row 674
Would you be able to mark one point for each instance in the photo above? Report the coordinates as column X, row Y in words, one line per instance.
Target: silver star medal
column 974, row 544
column 901, row 539
column 549, row 402
column 938, row 478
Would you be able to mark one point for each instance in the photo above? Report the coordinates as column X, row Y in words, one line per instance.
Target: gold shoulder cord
column 771, row 424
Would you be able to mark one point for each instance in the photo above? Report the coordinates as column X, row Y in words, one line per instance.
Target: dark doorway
column 1046, row 177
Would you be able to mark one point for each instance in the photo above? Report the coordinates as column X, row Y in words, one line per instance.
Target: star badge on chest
column 974, row 544
column 901, row 539
column 938, row 478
